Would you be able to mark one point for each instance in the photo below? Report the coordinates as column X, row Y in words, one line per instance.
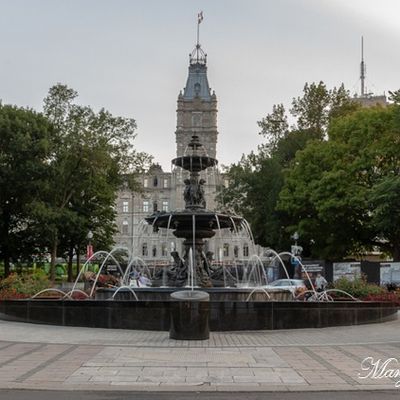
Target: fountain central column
column 194, row 235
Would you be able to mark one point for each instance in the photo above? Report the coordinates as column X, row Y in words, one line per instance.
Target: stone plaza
column 71, row 358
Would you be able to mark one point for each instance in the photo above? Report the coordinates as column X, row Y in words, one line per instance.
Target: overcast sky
column 131, row 57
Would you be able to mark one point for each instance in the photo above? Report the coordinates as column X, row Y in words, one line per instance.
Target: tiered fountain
column 195, row 223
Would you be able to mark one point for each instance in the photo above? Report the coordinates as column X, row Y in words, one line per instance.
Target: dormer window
column 197, row 88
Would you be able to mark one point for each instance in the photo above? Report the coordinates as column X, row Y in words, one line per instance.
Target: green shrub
column 23, row 285
column 359, row 287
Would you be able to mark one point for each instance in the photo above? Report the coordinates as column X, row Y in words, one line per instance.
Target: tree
column 274, row 126
column 385, row 201
column 256, row 181
column 91, row 153
column 24, row 149
column 338, row 193
column 318, row 105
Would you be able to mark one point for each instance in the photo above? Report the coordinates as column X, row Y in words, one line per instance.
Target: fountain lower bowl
column 224, row 315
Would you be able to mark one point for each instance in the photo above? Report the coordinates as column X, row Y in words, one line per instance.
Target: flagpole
column 198, row 44
column 198, row 31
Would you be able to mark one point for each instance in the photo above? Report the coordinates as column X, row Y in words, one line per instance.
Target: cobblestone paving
column 38, row 356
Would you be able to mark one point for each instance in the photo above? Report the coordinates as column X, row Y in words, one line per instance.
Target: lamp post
column 89, row 249
column 295, row 259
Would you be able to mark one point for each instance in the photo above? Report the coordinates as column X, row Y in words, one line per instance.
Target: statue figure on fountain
column 193, row 194
column 179, row 270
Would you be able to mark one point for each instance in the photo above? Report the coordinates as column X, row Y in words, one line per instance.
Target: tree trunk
column 53, row 259
column 6, row 242
column 6, row 258
column 396, row 252
column 70, row 260
column 78, row 260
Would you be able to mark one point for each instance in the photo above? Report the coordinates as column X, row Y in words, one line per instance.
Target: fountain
column 195, row 223
column 186, row 297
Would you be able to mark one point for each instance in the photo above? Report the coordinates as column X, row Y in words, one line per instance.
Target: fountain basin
column 205, row 220
column 216, row 294
column 224, row 315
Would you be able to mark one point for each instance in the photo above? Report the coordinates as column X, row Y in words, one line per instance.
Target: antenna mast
column 362, row 68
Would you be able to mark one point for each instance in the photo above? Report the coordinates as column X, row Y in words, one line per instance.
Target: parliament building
column 163, row 190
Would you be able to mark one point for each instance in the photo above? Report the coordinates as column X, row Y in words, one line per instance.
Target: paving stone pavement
column 54, row 357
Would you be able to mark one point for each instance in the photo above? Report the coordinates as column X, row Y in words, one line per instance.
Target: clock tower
column 197, row 107
column 197, row 115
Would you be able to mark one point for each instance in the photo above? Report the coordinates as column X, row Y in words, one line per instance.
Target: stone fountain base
column 224, row 315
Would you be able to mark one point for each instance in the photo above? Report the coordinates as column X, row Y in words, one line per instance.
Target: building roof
column 197, row 82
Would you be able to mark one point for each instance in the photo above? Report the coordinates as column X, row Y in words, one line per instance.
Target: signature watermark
column 378, row 369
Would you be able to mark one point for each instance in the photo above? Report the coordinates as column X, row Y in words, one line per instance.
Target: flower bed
column 21, row 286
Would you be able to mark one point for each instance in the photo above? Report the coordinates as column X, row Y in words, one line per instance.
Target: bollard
column 189, row 312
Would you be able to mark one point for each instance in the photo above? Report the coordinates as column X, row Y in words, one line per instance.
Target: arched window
column 144, row 250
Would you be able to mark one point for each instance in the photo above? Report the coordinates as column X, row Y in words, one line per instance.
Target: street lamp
column 89, row 249
column 295, row 259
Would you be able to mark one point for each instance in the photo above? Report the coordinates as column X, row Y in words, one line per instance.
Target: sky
column 131, row 57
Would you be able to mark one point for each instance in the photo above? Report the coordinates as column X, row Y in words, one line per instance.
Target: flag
column 200, row 17
column 89, row 251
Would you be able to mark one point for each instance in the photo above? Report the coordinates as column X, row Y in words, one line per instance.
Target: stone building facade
column 162, row 191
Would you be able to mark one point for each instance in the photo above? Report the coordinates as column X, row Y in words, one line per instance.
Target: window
column 226, row 250
column 145, row 206
column 246, row 250
column 164, row 250
column 155, row 206
column 165, row 183
column 155, row 182
column 236, row 251
column 125, row 206
column 145, row 182
column 197, row 88
column 125, row 227
column 197, row 119
column 226, row 183
column 165, row 205
column 154, row 251
column 144, row 250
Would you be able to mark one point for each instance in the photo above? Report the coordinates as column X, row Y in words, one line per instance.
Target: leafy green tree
column 385, row 201
column 24, row 150
column 318, row 105
column 338, row 193
column 91, row 153
column 256, row 181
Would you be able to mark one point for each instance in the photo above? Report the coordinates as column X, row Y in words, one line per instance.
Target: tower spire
column 198, row 56
column 362, row 68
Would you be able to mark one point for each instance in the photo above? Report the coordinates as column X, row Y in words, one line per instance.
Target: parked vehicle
column 294, row 285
